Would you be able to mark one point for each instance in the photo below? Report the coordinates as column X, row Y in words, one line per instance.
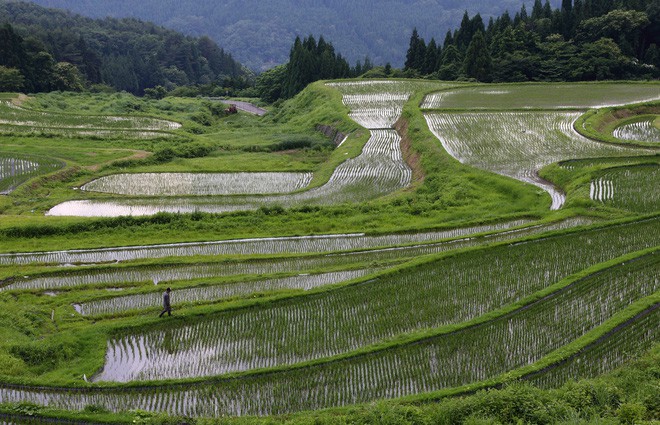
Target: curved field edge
column 415, row 337
column 599, row 124
column 633, row 383
column 19, row 101
column 447, row 186
column 628, row 314
column 543, row 96
column 401, row 340
column 44, row 167
column 575, row 177
column 209, row 310
column 40, row 271
column 457, row 182
column 452, row 233
column 318, row 103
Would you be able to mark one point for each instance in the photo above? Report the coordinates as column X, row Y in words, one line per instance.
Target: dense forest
column 44, row 49
column 309, row 61
column 259, row 33
column 580, row 41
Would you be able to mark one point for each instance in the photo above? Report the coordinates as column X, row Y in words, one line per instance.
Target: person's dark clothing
column 167, row 308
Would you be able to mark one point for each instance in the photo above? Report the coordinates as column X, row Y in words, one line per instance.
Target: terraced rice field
column 111, row 276
column 378, row 170
column 613, row 350
column 19, row 120
column 206, row 294
column 542, row 96
column 275, row 245
column 644, row 131
column 195, row 184
column 445, row 360
column 440, row 293
column 518, row 144
column 285, row 324
column 377, row 110
column 631, row 188
column 17, row 168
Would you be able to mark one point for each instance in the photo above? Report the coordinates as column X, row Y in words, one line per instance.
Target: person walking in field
column 167, row 308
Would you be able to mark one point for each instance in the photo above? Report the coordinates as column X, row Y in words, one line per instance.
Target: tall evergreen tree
column 412, row 56
column 567, row 18
column 477, row 62
column 537, row 10
column 431, row 58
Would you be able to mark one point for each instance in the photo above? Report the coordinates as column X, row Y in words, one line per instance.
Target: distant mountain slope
column 127, row 54
column 259, row 33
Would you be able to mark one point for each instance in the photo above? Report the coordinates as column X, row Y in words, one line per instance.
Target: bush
column 630, row 413
column 204, row 118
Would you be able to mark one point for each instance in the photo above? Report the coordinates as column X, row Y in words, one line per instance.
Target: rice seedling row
column 169, row 273
column 543, row 96
column 379, row 170
column 275, row 245
column 607, row 354
column 644, row 131
column 467, row 356
column 217, row 292
column 379, row 87
column 442, row 292
column 16, row 169
column 518, row 144
column 375, row 100
column 375, row 110
column 94, row 134
column 376, row 118
column 185, row 184
column 631, row 188
column 14, row 115
column 601, row 190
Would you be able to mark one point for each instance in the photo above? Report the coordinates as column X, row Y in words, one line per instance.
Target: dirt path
column 245, row 106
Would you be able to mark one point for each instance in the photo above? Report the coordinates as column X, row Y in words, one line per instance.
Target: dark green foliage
column 583, row 40
column 55, row 50
column 415, row 58
column 477, row 58
column 11, row 79
column 259, row 34
column 309, row 61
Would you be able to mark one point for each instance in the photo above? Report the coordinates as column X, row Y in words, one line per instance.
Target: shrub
column 630, row 413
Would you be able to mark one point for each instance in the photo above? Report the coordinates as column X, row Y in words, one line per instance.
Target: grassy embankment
column 448, row 195
column 444, row 192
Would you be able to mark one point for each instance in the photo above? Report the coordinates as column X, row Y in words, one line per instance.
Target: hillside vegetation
column 580, row 41
column 51, row 49
column 259, row 34
column 410, row 266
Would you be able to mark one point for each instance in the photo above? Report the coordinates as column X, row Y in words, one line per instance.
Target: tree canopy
column 581, row 40
column 56, row 50
column 309, row 61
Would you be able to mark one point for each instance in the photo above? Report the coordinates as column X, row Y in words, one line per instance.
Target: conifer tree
column 430, row 58
column 477, row 62
column 413, row 48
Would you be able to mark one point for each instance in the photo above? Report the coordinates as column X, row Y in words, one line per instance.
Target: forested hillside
column 45, row 49
column 582, row 40
column 259, row 33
